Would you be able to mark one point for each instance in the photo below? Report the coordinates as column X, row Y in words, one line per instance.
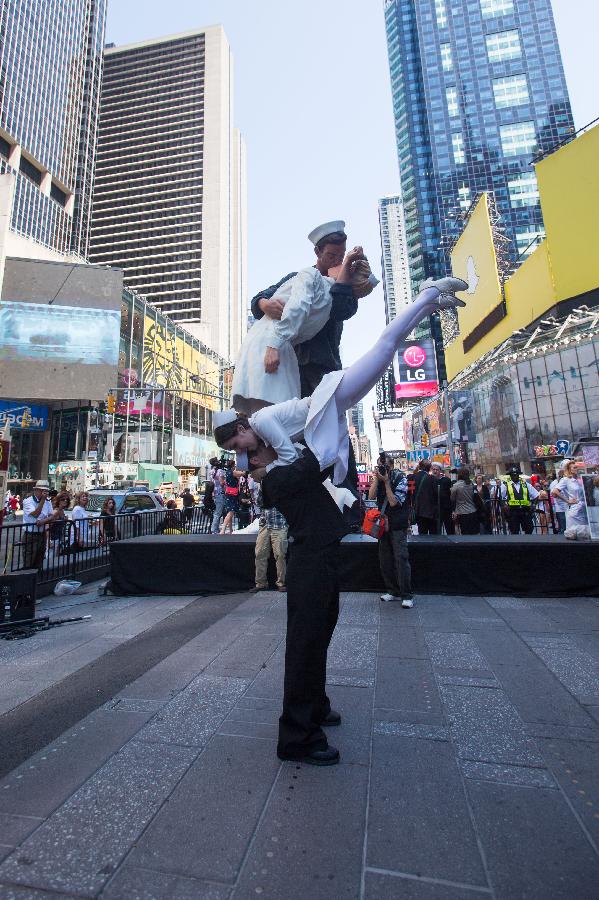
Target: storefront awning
column 156, row 474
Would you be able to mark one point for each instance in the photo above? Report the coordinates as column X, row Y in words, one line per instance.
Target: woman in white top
column 79, row 521
column 320, row 420
column 571, row 490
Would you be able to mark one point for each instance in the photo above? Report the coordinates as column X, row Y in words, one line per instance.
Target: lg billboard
column 416, row 370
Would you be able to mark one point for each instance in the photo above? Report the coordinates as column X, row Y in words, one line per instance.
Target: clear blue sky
column 312, row 99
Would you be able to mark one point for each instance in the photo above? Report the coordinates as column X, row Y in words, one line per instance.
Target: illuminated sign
column 416, row 370
column 20, row 415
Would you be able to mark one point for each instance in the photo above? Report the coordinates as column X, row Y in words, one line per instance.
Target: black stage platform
column 548, row 566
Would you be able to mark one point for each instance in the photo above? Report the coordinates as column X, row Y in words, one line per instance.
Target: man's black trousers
column 312, row 613
column 520, row 517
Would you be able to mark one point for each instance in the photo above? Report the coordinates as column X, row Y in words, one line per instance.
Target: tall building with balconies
column 394, row 256
column 50, row 77
column 169, row 200
column 478, row 89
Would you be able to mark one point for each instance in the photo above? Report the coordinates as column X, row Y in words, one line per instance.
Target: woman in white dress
column 571, row 490
column 320, row 419
column 266, row 368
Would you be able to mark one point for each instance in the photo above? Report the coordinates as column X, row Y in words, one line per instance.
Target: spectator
column 443, row 486
column 37, row 516
column 217, row 476
column 390, row 489
column 188, row 505
column 173, row 520
column 245, row 502
column 80, row 522
column 231, row 507
column 482, row 489
column 559, row 505
column 58, row 528
column 571, row 491
column 425, row 499
column 109, row 529
column 462, row 499
column 208, row 504
column 516, row 496
column 273, row 533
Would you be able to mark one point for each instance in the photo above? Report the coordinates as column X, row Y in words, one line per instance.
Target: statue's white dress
column 307, row 302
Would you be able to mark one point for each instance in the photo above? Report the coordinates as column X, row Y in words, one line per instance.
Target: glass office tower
column 50, row 78
column 478, row 90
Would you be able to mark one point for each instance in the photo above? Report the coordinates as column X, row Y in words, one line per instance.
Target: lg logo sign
column 415, row 357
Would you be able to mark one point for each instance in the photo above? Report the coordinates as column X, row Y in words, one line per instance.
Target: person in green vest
column 517, row 495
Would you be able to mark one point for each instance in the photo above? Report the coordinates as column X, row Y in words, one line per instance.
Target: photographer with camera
column 273, row 533
column 390, row 490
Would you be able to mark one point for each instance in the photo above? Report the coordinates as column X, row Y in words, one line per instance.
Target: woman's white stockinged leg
column 362, row 376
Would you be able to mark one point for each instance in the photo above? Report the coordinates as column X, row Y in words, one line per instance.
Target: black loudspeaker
column 17, row 596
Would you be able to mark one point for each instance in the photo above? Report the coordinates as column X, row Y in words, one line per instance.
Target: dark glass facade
column 50, row 76
column 478, row 89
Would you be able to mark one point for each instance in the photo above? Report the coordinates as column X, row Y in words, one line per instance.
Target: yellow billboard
column 173, row 363
column 569, row 188
column 473, row 258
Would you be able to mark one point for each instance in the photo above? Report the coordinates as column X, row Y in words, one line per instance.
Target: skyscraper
column 50, row 76
column 394, row 249
column 169, row 200
column 478, row 88
column 355, row 417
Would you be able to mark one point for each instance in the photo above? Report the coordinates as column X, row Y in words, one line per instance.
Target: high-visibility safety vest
column 512, row 500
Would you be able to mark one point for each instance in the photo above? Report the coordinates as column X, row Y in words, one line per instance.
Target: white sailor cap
column 321, row 231
column 223, row 418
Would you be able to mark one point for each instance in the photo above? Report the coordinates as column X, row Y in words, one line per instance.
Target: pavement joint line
column 249, row 737
column 426, row 880
column 370, row 747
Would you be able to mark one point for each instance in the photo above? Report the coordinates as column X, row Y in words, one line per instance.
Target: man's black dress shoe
column 333, row 718
column 328, row 757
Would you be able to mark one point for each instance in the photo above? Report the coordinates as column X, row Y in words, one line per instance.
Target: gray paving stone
column 193, row 716
column 409, row 780
column 4, row 851
column 574, row 765
column 208, row 838
column 594, row 712
column 13, row 892
column 577, row 670
column 457, row 651
column 359, row 609
column 268, row 683
column 353, row 651
column 406, row 684
column 388, row 886
column 352, row 738
column 288, row 861
column 80, row 845
column 405, row 642
column 258, row 730
column 411, row 716
column 350, row 680
column 131, row 883
column 518, row 775
column 405, row 729
column 486, row 727
column 475, row 608
column 539, row 850
column 245, row 656
column 468, row 681
column 13, row 828
column 443, row 621
column 47, row 778
column 264, row 715
column 568, row 732
column 133, row 704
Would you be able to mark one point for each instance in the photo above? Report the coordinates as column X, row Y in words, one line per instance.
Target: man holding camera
column 390, row 490
column 37, row 516
column 273, row 533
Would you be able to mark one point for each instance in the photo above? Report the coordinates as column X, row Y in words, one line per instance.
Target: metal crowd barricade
column 81, row 547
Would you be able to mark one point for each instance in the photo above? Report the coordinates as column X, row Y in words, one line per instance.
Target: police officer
column 516, row 497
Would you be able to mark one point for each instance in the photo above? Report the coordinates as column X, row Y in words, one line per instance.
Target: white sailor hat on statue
column 321, row 231
column 223, row 417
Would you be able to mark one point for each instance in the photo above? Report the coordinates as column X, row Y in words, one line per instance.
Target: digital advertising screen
column 416, row 370
column 59, row 330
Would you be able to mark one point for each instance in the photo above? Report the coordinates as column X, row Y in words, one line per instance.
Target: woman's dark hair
column 171, row 504
column 464, row 474
column 105, row 505
column 60, row 497
column 336, row 237
column 224, row 433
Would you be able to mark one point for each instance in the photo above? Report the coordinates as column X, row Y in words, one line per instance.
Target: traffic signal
column 424, row 440
column 111, row 404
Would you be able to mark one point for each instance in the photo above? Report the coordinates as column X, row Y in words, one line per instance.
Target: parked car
column 134, row 501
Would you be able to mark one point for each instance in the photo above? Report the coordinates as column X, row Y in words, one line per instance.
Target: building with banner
column 524, row 366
